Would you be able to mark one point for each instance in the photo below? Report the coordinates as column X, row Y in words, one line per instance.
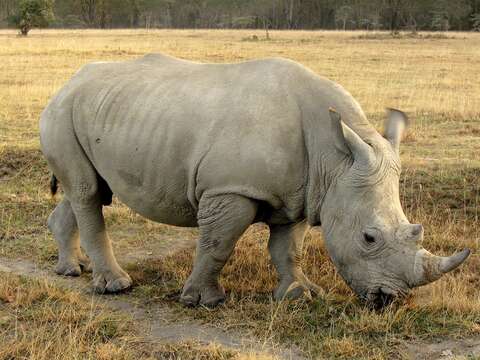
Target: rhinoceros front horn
column 429, row 267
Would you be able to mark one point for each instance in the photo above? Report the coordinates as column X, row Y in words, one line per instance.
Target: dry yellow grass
column 40, row 321
column 434, row 79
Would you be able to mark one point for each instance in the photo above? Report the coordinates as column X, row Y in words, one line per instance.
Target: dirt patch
column 445, row 349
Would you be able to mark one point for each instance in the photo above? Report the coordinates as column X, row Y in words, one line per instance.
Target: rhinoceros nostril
column 417, row 229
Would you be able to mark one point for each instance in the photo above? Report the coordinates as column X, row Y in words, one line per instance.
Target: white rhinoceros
column 221, row 146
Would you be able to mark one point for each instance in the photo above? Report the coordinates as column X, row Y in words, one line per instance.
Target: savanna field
column 433, row 77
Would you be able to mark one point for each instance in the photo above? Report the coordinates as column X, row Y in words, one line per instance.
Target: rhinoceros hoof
column 68, row 268
column 293, row 291
column 209, row 296
column 73, row 266
column 109, row 282
column 296, row 290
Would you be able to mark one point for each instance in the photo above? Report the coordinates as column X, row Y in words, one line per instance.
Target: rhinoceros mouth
column 382, row 296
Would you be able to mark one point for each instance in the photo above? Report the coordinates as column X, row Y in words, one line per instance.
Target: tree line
column 392, row 15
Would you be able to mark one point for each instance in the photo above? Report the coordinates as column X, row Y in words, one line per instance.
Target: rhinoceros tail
column 106, row 193
column 53, row 185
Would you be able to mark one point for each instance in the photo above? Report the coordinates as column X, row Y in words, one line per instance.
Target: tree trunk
column 135, row 14
column 395, row 16
column 103, row 17
column 88, row 8
column 290, row 15
column 265, row 24
column 24, row 29
column 413, row 25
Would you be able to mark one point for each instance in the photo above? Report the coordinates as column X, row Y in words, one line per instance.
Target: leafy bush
column 32, row 13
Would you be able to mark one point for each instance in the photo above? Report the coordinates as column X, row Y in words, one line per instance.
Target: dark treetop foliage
column 390, row 15
column 31, row 13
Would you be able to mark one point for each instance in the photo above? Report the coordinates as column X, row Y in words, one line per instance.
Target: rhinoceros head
column 373, row 245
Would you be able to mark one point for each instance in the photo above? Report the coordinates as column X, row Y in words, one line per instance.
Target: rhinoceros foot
column 209, row 296
column 111, row 281
column 73, row 266
column 295, row 289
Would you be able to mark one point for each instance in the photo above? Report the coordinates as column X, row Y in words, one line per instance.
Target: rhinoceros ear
column 337, row 130
column 395, row 125
column 348, row 142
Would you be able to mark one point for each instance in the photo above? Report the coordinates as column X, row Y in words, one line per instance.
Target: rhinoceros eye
column 369, row 239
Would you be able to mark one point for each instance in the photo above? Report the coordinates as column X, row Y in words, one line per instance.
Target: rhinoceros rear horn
column 429, row 267
column 347, row 141
column 395, row 125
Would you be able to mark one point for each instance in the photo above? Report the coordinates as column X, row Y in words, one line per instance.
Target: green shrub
column 32, row 13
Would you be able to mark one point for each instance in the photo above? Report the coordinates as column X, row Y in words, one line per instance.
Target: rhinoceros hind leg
column 108, row 276
column 63, row 225
column 285, row 246
column 86, row 193
column 222, row 220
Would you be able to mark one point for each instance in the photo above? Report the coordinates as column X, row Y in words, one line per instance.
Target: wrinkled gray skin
column 221, row 147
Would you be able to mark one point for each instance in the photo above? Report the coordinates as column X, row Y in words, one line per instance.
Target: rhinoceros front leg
column 222, row 220
column 285, row 246
column 108, row 276
column 63, row 225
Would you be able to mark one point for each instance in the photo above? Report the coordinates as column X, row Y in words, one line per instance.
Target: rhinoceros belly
column 167, row 205
column 162, row 208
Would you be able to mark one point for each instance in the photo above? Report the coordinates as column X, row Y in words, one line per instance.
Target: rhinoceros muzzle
column 427, row 268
